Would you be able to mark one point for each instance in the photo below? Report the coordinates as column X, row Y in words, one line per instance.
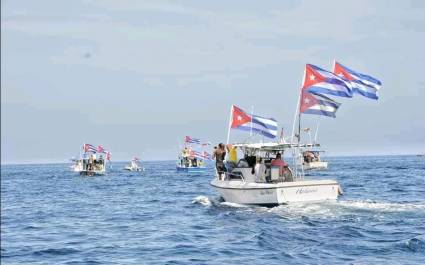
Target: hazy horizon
column 137, row 77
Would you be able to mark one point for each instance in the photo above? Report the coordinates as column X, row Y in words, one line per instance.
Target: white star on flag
column 312, row 77
column 306, row 101
column 239, row 118
column 340, row 75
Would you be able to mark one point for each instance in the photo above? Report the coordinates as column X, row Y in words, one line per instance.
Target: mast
column 230, row 124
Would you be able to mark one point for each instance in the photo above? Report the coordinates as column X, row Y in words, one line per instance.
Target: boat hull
column 315, row 165
column 92, row 173
column 271, row 194
column 190, row 169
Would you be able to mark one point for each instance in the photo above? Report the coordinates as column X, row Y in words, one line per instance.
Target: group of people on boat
column 311, row 156
column 93, row 163
column 261, row 167
column 187, row 159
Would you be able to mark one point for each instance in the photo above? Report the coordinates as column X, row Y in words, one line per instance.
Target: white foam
column 232, row 204
column 335, row 209
column 381, row 206
column 203, row 200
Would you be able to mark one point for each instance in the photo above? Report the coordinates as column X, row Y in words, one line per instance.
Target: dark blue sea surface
column 50, row 215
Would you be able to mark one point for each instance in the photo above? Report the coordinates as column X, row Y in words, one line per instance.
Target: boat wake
column 381, row 206
column 334, row 209
column 204, row 200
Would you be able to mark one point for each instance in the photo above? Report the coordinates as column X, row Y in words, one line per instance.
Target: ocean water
column 50, row 215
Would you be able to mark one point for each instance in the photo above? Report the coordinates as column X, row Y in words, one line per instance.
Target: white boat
column 134, row 166
column 312, row 160
column 92, row 161
column 276, row 185
column 190, row 159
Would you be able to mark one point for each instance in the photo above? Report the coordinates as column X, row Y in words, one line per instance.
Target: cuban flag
column 206, row 155
column 108, row 155
column 318, row 104
column 100, row 149
column 243, row 121
column 362, row 84
column 89, row 148
column 191, row 140
column 320, row 81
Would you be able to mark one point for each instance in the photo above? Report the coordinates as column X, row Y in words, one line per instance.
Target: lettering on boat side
column 306, row 190
column 266, row 192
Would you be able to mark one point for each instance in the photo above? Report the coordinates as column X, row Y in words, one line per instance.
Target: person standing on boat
column 259, row 170
column 278, row 162
column 232, row 157
column 219, row 155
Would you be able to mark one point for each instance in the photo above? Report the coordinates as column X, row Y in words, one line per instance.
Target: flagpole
column 252, row 115
column 315, row 134
column 230, row 124
column 297, row 111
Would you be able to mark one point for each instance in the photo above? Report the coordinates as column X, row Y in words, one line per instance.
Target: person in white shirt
column 259, row 171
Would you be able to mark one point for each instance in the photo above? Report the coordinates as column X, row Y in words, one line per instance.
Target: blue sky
column 136, row 76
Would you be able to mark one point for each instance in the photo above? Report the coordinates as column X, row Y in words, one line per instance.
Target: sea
column 51, row 215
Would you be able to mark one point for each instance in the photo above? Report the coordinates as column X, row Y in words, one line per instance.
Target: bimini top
column 272, row 146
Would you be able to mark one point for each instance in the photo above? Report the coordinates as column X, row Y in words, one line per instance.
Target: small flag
column 191, row 140
column 243, row 121
column 89, row 148
column 100, row 149
column 318, row 104
column 319, row 81
column 362, row 84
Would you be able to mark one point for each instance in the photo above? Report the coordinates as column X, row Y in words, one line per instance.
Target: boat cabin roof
column 272, row 146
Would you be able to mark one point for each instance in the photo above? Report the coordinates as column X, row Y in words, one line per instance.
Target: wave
column 381, row 206
column 416, row 244
column 204, row 200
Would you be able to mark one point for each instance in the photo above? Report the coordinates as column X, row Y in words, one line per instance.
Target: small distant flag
column 108, row 155
column 191, row 140
column 207, row 155
column 100, row 149
column 89, row 148
column 246, row 122
column 319, row 81
column 362, row 84
column 318, row 105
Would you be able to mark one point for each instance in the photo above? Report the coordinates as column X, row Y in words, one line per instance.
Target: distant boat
column 92, row 160
column 311, row 160
column 191, row 160
column 134, row 165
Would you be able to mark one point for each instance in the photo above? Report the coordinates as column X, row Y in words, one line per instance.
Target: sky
column 137, row 76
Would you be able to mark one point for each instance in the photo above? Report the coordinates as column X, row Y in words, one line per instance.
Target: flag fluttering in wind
column 319, row 81
column 108, row 155
column 89, row 148
column 362, row 84
column 246, row 122
column 100, row 149
column 190, row 140
column 203, row 155
column 318, row 104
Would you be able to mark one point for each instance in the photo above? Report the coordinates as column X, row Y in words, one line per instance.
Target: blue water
column 50, row 215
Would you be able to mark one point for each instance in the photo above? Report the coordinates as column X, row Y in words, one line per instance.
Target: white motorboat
column 275, row 185
column 92, row 160
column 312, row 160
column 134, row 166
column 191, row 160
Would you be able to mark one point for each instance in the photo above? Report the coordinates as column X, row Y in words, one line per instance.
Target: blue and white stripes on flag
column 257, row 124
column 362, row 84
column 318, row 105
column 320, row 81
